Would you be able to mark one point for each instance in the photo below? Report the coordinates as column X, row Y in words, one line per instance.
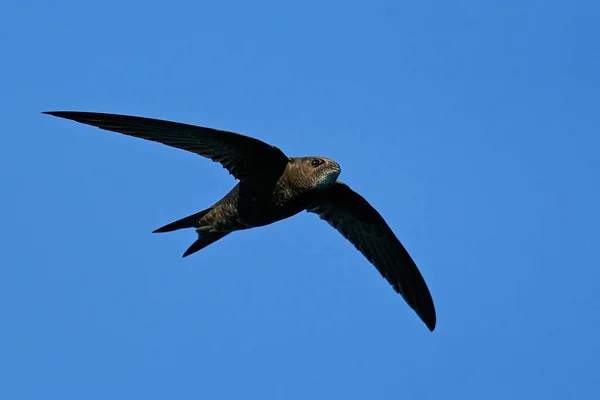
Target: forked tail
column 205, row 237
column 187, row 222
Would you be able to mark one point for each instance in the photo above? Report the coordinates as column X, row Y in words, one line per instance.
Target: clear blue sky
column 471, row 126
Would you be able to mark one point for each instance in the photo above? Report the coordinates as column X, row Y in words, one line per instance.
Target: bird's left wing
column 365, row 228
column 244, row 157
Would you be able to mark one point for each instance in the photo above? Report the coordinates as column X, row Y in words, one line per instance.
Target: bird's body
column 273, row 187
column 250, row 204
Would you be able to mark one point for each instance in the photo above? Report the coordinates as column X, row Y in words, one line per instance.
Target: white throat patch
column 327, row 180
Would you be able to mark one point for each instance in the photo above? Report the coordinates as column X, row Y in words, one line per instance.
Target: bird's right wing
column 244, row 157
column 365, row 228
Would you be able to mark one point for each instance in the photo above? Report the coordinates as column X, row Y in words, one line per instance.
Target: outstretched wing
column 244, row 157
column 365, row 228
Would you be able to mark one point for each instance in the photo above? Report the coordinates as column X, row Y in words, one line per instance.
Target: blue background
column 471, row 126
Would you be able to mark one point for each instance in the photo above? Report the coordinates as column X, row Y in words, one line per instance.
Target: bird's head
column 316, row 172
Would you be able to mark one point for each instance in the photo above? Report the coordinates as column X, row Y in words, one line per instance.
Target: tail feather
column 187, row 222
column 204, row 239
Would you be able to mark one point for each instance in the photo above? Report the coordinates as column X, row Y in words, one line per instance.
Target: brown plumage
column 273, row 187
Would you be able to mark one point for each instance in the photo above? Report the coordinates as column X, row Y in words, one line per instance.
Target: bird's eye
column 316, row 162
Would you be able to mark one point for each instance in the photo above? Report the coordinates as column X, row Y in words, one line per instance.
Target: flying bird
column 272, row 187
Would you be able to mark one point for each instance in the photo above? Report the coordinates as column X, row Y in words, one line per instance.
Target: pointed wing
column 244, row 157
column 365, row 228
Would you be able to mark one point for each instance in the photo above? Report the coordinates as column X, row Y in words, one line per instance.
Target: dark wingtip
column 72, row 115
column 430, row 324
column 427, row 315
column 59, row 114
column 425, row 310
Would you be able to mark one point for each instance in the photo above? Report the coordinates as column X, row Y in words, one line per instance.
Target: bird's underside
column 273, row 187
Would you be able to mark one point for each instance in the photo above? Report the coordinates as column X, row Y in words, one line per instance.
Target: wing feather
column 244, row 157
column 351, row 215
